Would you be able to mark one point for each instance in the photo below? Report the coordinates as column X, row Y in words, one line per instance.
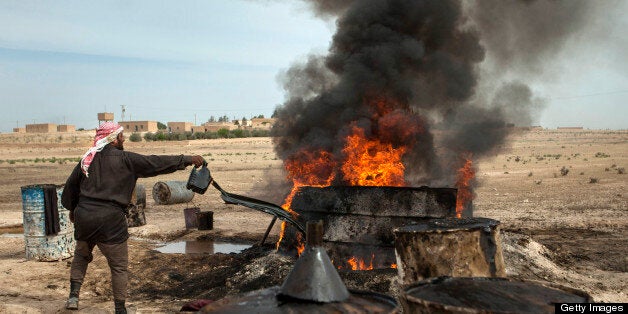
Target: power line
column 198, row 109
column 591, row 95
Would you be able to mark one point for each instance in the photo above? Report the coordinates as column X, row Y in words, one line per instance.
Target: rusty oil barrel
column 171, row 192
column 139, row 196
column 486, row 295
column 456, row 247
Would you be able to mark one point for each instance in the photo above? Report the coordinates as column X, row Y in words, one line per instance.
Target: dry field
column 560, row 196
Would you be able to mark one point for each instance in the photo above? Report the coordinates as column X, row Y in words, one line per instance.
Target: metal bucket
column 190, row 215
column 40, row 246
column 171, row 192
column 205, row 220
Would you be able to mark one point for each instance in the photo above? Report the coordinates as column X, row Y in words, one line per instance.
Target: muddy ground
column 560, row 197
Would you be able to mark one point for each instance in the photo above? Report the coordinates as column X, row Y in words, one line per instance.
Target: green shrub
column 135, row 137
column 224, row 133
column 238, row 133
column 160, row 136
column 564, row 171
column 149, row 136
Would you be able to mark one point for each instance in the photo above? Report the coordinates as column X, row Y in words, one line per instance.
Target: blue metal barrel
column 39, row 246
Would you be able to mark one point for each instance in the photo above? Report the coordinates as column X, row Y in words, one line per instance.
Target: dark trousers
column 117, row 257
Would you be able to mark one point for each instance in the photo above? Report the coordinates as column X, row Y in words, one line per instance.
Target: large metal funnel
column 314, row 278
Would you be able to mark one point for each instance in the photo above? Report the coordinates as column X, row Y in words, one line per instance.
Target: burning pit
column 359, row 220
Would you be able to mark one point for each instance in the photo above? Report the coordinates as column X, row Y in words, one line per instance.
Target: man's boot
column 120, row 308
column 72, row 303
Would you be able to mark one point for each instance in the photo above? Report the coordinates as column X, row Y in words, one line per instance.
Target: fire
column 306, row 168
column 372, row 163
column 465, row 194
column 359, row 263
column 364, row 162
column 300, row 244
column 393, row 265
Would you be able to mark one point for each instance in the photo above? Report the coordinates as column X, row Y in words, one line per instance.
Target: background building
column 215, row 126
column 105, row 116
column 139, row 126
column 66, row 128
column 198, row 129
column 19, row 130
column 179, row 127
column 41, row 128
column 263, row 123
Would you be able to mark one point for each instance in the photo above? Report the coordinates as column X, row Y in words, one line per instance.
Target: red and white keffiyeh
column 106, row 133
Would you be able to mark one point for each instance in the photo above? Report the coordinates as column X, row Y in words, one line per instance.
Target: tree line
column 185, row 136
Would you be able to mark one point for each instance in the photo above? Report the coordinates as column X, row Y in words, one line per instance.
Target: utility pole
column 123, row 110
column 195, row 119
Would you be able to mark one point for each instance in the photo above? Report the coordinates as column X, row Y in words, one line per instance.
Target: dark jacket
column 99, row 201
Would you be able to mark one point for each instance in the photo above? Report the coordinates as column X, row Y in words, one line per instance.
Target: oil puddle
column 202, row 247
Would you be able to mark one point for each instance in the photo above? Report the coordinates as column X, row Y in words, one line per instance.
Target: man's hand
column 198, row 161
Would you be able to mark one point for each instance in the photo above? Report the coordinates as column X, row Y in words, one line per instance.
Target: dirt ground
column 560, row 197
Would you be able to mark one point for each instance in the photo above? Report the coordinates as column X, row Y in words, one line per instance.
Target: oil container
column 40, row 246
column 486, row 295
column 171, row 192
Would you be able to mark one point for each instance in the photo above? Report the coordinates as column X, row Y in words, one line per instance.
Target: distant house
column 105, row 116
column 263, row 123
column 179, row 127
column 215, row 126
column 41, row 128
column 139, row 126
column 243, row 123
column 66, row 128
column 198, row 129
column 19, row 130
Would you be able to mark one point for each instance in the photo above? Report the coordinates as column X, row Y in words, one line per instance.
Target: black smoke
column 408, row 72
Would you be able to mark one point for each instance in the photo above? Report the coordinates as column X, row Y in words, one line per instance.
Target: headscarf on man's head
column 106, row 133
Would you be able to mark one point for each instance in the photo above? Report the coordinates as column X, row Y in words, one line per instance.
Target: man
column 97, row 194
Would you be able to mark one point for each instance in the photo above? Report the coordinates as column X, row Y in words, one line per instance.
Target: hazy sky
column 65, row 61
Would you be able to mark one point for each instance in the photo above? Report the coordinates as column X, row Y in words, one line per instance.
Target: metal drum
column 40, row 246
column 171, row 192
column 486, row 295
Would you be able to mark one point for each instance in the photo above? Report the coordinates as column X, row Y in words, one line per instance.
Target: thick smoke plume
column 408, row 73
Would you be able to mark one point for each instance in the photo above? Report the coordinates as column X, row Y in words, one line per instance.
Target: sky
column 62, row 62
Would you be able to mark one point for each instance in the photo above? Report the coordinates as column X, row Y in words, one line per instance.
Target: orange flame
column 306, row 168
column 393, row 265
column 365, row 161
column 357, row 263
column 465, row 194
column 371, row 162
